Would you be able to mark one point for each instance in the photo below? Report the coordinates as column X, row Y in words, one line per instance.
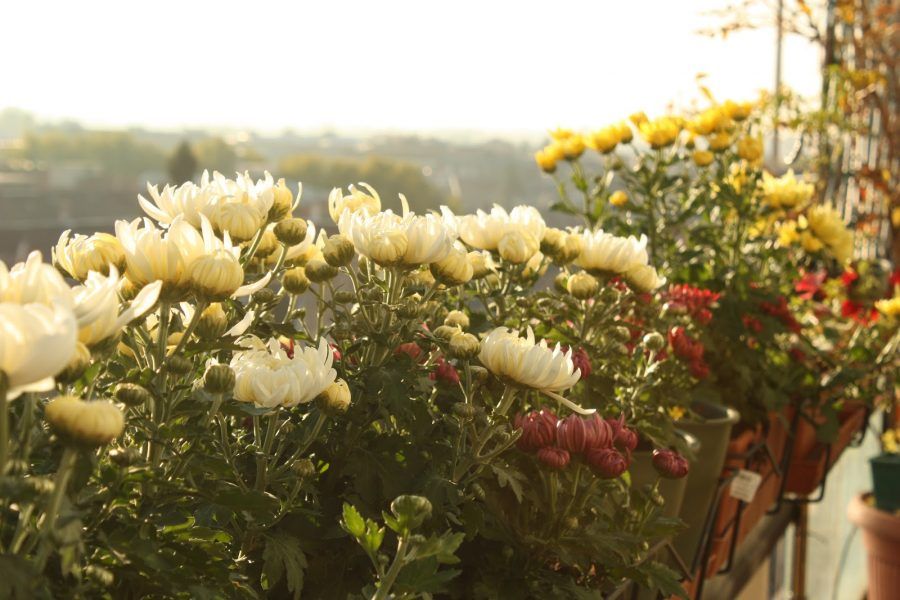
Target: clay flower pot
column 881, row 537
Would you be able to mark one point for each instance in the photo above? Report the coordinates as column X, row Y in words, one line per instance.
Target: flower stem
column 189, row 330
column 509, row 394
column 60, row 482
column 388, row 581
column 4, row 423
column 262, row 462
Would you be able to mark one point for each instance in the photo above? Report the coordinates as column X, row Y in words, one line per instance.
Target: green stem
column 66, row 464
column 262, row 462
column 254, row 245
column 4, row 423
column 509, row 394
column 189, row 330
column 388, row 581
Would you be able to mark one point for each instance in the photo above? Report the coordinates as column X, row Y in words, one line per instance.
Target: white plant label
column 745, row 484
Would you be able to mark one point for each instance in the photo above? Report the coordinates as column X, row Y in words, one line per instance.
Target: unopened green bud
column 303, row 468
column 409, row 308
column 338, row 251
column 464, row 346
column 621, row 333
column 411, row 511
column 583, row 285
column 218, row 379
column 344, row 296
column 457, row 318
column 179, row 365
column 264, row 296
column 291, row 231
column 295, row 280
column 654, row 341
column 132, row 394
column 125, row 457
column 464, row 411
column 479, row 374
column 317, row 270
column 445, row 332
column 212, row 323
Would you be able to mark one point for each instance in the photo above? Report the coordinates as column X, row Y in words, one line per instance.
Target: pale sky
column 413, row 65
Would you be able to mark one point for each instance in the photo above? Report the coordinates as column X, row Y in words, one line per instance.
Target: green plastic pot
column 713, row 431
column 671, row 490
column 886, row 481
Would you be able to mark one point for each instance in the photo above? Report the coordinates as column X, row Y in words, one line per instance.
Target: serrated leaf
column 353, row 523
column 510, row 479
column 443, row 547
column 282, row 557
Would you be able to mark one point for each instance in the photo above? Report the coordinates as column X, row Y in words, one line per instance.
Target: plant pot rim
column 886, row 459
column 879, row 522
column 727, row 415
column 690, row 440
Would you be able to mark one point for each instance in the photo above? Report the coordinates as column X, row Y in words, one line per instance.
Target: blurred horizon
column 362, row 68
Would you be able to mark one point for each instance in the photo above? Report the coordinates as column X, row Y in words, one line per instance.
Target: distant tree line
column 388, row 176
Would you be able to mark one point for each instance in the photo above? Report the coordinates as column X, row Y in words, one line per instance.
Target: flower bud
column 457, row 318
column 179, row 365
column 464, row 346
column 218, row 379
column 291, row 231
column 78, row 364
column 411, row 511
column 132, row 394
column 703, row 158
column 216, row 276
column 623, row 438
column 295, row 281
column 282, row 203
column 621, row 333
column 453, row 269
column 553, row 457
column 335, row 399
column 445, row 372
column 128, row 290
column 409, row 308
column 571, row 249
column 479, row 374
column 670, row 464
column 606, row 462
column 303, row 468
column 344, row 296
column 464, row 411
column 388, row 248
column 577, row 434
column 654, row 341
column 517, row 246
column 317, row 271
column 618, row 198
column 581, row 361
column 89, row 424
column 480, row 264
column 264, row 296
column 561, row 282
column 553, row 241
column 268, row 244
column 583, row 285
column 338, row 251
column 446, row 332
column 213, row 322
column 125, row 457
column 241, row 221
column 538, row 430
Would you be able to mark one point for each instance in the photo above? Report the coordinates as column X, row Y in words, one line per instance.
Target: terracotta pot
column 881, row 537
column 714, row 434
column 811, row 461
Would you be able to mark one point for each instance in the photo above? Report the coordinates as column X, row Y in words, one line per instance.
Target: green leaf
column 443, row 547
column 373, row 537
column 282, row 557
column 353, row 522
column 510, row 479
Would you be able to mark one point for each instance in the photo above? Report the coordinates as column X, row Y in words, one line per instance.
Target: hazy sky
column 514, row 66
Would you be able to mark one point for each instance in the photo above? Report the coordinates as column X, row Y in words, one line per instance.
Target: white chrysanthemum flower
column 484, row 230
column 390, row 239
column 525, row 363
column 603, row 252
column 79, row 254
column 267, row 376
column 240, row 206
column 644, row 278
column 37, row 341
column 97, row 306
column 33, row 281
column 187, row 200
column 356, row 200
column 153, row 254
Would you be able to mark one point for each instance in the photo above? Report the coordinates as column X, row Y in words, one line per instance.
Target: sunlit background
column 445, row 102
